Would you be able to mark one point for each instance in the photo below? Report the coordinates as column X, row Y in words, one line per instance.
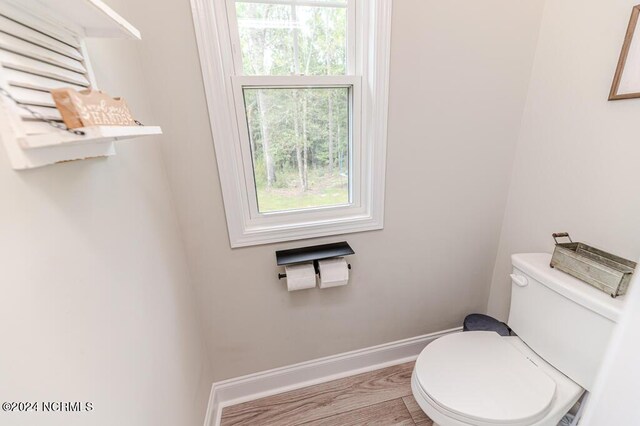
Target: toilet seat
column 481, row 378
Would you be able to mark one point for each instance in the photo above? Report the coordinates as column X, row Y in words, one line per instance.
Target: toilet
column 480, row 378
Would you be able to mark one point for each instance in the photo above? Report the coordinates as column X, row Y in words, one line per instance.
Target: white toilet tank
column 564, row 320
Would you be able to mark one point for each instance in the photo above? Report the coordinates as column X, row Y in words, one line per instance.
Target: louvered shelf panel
column 42, row 48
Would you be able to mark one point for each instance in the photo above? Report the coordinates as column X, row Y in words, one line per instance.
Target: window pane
column 277, row 39
column 300, row 146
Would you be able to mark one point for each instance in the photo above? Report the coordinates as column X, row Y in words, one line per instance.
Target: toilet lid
column 479, row 375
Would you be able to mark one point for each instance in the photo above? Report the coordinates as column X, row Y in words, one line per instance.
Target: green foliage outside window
column 299, row 136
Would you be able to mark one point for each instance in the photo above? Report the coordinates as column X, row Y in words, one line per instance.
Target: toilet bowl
column 479, row 378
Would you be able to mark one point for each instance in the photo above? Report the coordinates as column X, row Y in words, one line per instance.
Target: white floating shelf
column 93, row 17
column 33, row 151
column 92, row 135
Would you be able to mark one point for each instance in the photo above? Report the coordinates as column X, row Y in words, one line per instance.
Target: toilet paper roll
column 300, row 276
column 333, row 272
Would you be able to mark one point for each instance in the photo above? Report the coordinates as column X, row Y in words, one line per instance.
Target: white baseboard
column 283, row 379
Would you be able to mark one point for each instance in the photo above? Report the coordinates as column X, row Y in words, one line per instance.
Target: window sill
column 256, row 235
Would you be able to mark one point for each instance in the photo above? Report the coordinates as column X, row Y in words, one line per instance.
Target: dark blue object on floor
column 480, row 322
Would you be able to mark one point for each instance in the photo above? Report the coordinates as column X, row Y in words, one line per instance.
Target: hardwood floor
column 382, row 397
column 418, row 416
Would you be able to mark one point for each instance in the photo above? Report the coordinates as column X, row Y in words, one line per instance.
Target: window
column 300, row 142
column 297, row 94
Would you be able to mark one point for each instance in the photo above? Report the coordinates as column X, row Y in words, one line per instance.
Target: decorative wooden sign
column 91, row 108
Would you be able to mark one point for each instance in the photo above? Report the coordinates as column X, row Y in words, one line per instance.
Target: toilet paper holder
column 314, row 254
column 315, row 266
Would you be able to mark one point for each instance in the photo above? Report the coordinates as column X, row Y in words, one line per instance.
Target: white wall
column 97, row 303
column 459, row 74
column 576, row 166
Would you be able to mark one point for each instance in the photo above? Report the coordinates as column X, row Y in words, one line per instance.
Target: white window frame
column 367, row 78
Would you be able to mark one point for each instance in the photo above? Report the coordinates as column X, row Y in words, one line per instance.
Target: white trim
column 272, row 382
column 321, row 3
column 294, row 81
column 217, row 49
